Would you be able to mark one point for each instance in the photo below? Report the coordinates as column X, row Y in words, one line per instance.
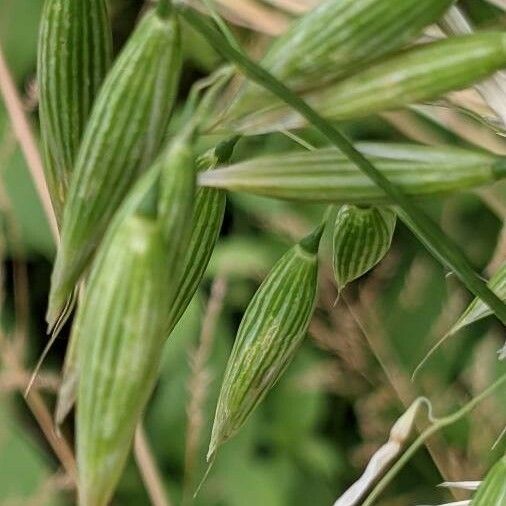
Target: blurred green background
column 316, row 431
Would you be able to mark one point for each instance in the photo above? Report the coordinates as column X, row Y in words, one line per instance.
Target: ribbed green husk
column 74, row 55
column 205, row 229
column 420, row 74
column 361, row 238
column 336, row 38
column 478, row 310
column 169, row 185
column 67, row 391
column 492, row 491
column 123, row 136
column 208, row 215
column 176, row 199
column 273, row 327
column 323, row 175
column 120, row 327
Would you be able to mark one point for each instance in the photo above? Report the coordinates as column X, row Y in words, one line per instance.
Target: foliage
column 315, row 431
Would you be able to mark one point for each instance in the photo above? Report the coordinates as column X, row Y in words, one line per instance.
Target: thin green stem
column 422, row 225
column 197, row 103
column 226, row 32
column 430, row 431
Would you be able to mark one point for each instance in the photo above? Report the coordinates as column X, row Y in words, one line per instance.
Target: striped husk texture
column 420, row 74
column 336, row 38
column 492, row 491
column 120, row 327
column 208, row 213
column 410, row 152
column 273, row 327
column 123, row 136
column 205, row 229
column 361, row 238
column 74, row 55
column 323, row 175
column 169, row 185
column 176, row 199
column 478, row 310
column 67, row 391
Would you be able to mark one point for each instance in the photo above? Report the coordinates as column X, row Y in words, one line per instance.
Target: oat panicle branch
column 199, row 383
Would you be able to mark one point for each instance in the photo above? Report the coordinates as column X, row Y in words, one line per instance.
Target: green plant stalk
column 421, row 224
column 426, row 434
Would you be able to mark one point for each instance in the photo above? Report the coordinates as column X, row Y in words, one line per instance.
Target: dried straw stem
column 199, row 382
column 149, row 471
column 23, row 131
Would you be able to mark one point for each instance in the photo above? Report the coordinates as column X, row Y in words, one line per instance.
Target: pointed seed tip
column 211, row 453
column 311, row 242
column 51, row 320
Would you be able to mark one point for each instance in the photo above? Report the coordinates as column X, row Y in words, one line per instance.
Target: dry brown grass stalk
column 199, row 383
column 26, row 139
column 149, row 470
